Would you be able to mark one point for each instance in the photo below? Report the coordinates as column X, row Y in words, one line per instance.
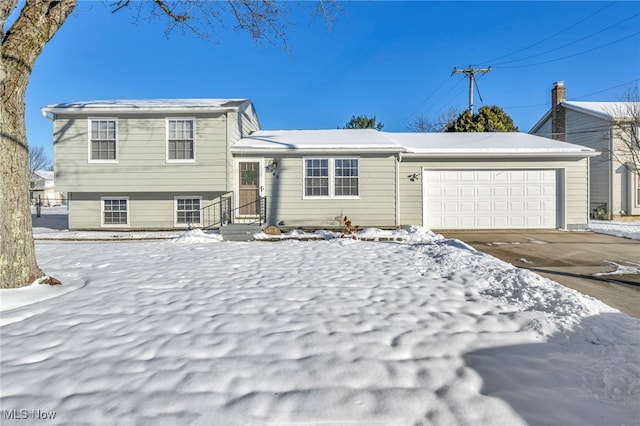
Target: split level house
column 607, row 127
column 172, row 164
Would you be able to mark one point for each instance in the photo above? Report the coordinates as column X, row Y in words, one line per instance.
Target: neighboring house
column 159, row 164
column 614, row 181
column 41, row 187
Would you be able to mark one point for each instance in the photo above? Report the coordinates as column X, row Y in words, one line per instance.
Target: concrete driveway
column 570, row 258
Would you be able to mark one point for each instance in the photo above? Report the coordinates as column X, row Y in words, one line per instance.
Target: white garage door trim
column 491, row 198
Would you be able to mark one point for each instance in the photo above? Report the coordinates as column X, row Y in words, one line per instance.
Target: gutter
column 498, row 154
column 318, row 150
column 134, row 110
column 44, row 112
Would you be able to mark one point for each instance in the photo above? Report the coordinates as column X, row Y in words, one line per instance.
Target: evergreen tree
column 363, row 122
column 488, row 119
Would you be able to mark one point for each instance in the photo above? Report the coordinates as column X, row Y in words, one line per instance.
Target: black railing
column 221, row 212
column 217, row 213
column 251, row 213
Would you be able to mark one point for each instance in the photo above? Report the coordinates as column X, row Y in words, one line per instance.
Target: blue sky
column 388, row 59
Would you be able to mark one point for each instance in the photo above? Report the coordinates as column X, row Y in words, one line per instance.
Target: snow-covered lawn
column 198, row 331
column 617, row 228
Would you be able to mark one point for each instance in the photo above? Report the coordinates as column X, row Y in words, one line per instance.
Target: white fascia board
column 129, row 110
column 498, row 154
column 315, row 151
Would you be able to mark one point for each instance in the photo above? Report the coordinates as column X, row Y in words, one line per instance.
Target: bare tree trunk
column 21, row 45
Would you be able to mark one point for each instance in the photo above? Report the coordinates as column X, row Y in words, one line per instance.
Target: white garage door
column 485, row 199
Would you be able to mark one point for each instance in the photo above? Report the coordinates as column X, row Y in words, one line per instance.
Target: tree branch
column 166, row 9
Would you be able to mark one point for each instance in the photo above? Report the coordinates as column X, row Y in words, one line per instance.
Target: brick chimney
column 558, row 95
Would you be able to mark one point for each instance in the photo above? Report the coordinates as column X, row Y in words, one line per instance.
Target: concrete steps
column 239, row 232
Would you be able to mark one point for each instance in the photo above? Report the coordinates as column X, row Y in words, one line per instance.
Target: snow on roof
column 607, row 110
column 369, row 140
column 310, row 140
column 44, row 174
column 480, row 142
column 143, row 105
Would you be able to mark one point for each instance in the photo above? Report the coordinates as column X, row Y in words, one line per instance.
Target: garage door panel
column 500, row 191
column 458, row 199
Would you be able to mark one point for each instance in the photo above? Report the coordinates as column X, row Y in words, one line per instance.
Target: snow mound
column 197, row 236
column 617, row 228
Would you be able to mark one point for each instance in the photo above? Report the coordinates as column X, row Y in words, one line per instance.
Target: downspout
column 588, row 160
column 610, row 175
column 398, row 160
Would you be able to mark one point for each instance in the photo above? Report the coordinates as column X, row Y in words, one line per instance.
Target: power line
column 570, row 56
column 606, row 90
column 551, row 36
column 427, row 98
column 568, row 44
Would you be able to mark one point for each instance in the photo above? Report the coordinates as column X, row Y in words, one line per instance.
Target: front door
column 249, row 187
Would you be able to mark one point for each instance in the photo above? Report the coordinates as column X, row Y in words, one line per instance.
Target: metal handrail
column 222, row 212
column 217, row 213
column 261, row 218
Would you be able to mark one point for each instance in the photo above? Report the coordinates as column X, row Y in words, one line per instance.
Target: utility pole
column 470, row 72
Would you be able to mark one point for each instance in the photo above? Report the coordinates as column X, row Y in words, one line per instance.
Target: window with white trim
column 331, row 177
column 115, row 211
column 103, row 145
column 180, row 139
column 346, row 177
column 187, row 210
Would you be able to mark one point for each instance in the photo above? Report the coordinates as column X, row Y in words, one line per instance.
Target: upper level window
column 180, row 139
column 331, row 177
column 103, row 140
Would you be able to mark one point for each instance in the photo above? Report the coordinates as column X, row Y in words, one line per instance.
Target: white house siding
column 147, row 211
column 375, row 206
column 142, row 165
column 573, row 199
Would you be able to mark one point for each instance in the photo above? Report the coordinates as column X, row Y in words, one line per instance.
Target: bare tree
column 22, row 43
column 38, row 159
column 423, row 124
column 625, row 129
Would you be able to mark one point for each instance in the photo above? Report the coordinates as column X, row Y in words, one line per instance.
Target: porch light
column 413, row 177
column 272, row 166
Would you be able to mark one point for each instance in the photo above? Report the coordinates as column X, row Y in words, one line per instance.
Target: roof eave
column 503, row 154
column 540, row 122
column 133, row 109
column 314, row 150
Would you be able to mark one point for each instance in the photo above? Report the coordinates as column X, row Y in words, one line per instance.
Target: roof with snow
column 44, row 174
column 604, row 110
column 607, row 110
column 146, row 105
column 427, row 144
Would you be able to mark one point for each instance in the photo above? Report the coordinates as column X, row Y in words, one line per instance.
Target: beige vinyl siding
column 545, row 130
column 142, row 156
column 147, row 211
column 375, row 206
column 248, row 122
column 575, row 184
column 592, row 132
